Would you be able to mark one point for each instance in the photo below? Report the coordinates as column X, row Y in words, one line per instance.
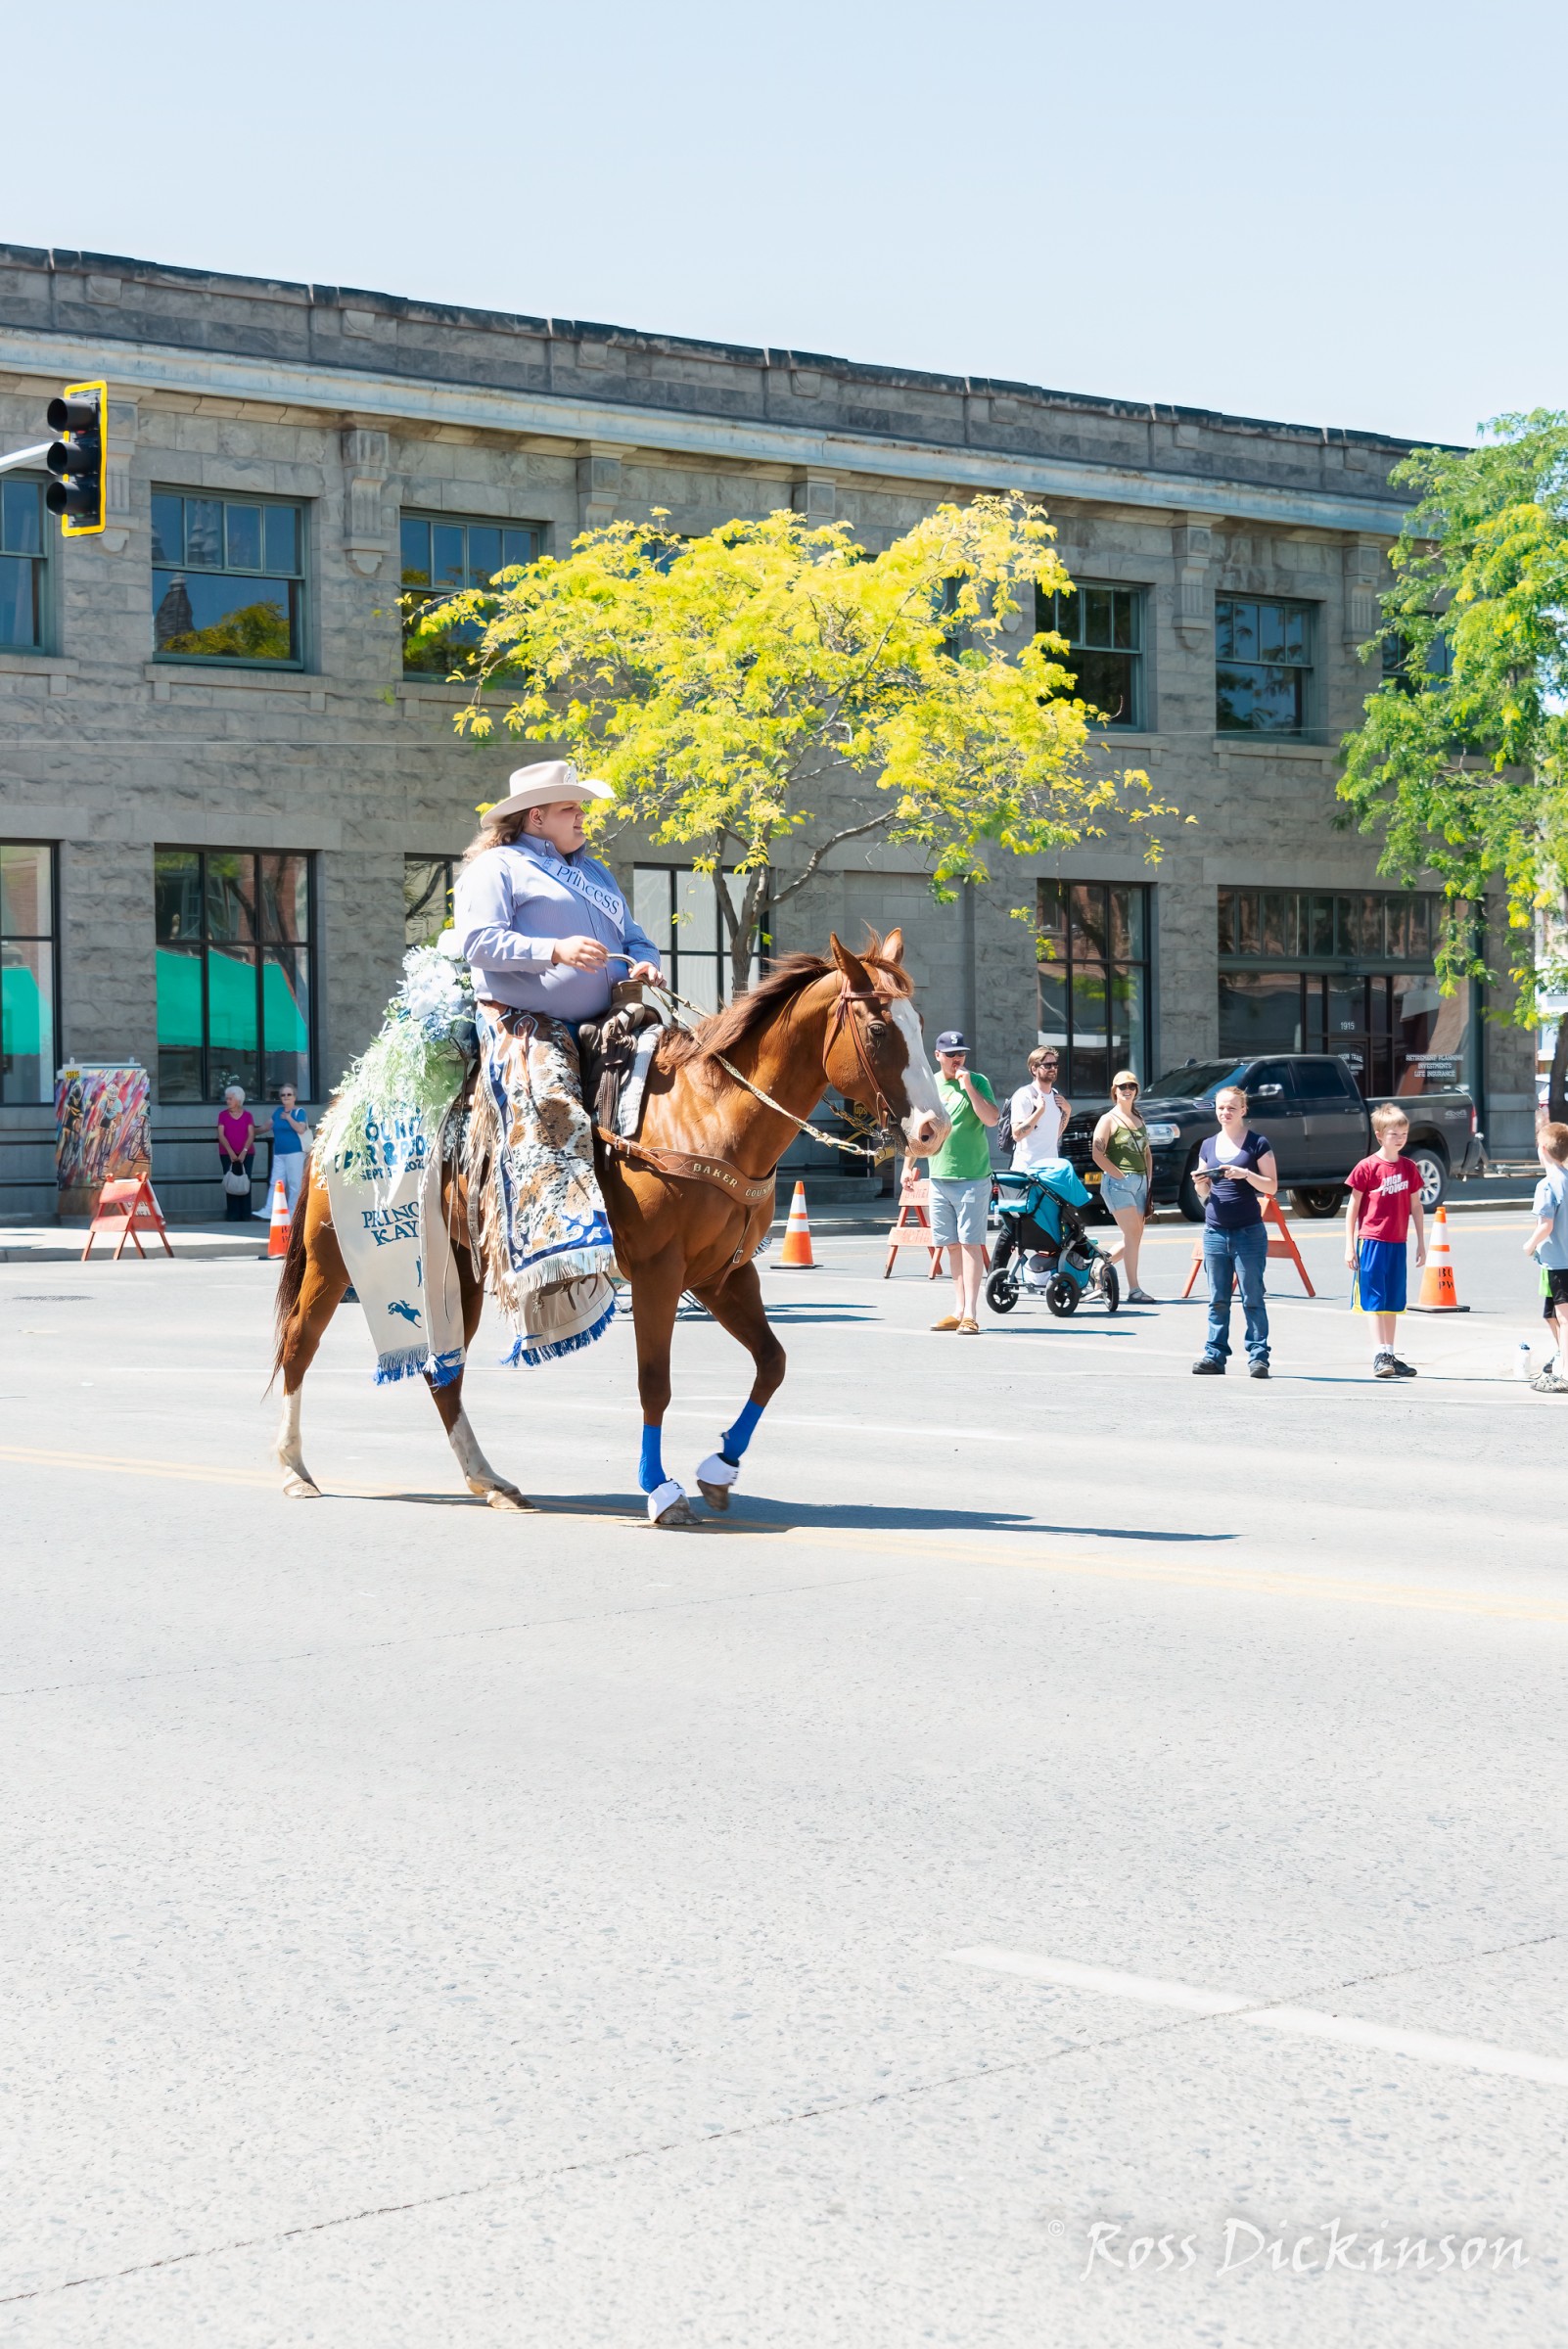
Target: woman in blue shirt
column 1234, row 1174
column 536, row 917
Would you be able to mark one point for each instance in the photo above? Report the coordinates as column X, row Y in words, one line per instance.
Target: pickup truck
column 1310, row 1108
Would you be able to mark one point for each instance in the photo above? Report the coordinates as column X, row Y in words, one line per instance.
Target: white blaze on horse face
column 925, row 1124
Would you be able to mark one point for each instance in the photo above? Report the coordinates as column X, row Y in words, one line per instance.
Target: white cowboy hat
column 541, row 785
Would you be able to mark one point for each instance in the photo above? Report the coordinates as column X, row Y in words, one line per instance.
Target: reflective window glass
column 1092, row 980
column 1104, row 629
column 226, row 583
column 231, row 1009
column 24, row 555
column 242, row 537
column 439, row 555
column 29, row 972
column 1263, row 665
column 679, row 908
column 427, row 897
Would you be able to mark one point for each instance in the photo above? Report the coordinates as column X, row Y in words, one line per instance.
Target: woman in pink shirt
column 236, row 1141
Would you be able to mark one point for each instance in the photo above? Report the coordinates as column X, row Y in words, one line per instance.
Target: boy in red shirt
column 1385, row 1192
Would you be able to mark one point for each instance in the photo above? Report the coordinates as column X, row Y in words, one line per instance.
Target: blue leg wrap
column 734, row 1439
column 651, row 1468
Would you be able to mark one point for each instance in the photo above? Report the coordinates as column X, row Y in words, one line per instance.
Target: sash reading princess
column 547, row 934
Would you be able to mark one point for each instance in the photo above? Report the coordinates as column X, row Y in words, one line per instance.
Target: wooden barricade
column 1280, row 1243
column 127, row 1206
column 912, row 1230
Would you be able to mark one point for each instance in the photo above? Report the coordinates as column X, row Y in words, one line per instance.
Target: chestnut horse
column 811, row 1023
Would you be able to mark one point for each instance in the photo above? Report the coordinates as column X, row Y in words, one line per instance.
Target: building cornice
column 413, row 400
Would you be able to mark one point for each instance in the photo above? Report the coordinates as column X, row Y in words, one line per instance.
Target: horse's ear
column 852, row 966
column 892, row 946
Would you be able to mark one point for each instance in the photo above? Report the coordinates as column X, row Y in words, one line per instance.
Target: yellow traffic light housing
column 77, row 492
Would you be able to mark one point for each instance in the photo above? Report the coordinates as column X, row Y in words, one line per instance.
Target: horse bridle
column 842, row 1018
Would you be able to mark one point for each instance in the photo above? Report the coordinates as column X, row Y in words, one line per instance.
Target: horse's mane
column 785, row 979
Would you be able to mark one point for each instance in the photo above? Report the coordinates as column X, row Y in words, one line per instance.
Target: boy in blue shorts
column 1547, row 1243
column 1385, row 1193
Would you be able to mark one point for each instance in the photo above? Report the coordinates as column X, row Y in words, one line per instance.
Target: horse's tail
column 291, row 1275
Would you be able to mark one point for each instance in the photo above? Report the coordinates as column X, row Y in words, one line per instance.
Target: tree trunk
column 744, row 939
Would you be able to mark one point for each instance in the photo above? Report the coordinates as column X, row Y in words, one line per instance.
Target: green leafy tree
column 1461, row 762
column 771, row 683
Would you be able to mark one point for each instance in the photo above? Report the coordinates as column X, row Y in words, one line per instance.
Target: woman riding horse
column 691, row 1200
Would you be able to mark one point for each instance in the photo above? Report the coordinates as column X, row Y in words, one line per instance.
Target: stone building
column 224, row 799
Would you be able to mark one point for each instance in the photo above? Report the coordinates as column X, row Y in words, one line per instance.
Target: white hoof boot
column 714, row 1477
column 666, row 1504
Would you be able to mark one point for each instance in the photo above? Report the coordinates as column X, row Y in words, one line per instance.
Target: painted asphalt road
column 1032, row 1873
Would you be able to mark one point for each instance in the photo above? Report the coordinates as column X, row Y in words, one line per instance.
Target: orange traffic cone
column 278, row 1228
column 796, row 1253
column 1437, row 1281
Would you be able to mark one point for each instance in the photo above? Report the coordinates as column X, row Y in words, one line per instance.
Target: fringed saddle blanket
column 537, row 1218
column 386, row 1200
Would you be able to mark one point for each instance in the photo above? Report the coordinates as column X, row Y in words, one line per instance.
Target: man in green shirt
column 960, row 1179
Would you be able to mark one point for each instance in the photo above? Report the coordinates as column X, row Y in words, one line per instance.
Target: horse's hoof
column 301, row 1488
column 506, row 1496
column 666, row 1504
column 716, row 1496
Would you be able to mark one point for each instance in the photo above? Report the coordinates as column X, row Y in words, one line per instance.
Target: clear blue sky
column 1341, row 214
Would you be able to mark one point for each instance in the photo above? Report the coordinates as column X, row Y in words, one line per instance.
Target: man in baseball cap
column 960, row 1178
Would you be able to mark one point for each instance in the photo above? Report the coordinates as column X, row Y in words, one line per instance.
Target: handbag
column 236, row 1182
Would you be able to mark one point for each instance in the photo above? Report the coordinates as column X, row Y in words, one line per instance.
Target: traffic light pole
column 25, row 456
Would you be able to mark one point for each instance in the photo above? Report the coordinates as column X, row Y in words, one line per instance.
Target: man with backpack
column 1033, row 1122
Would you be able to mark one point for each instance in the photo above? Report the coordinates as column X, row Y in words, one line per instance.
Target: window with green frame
column 1104, row 629
column 441, row 553
column 24, row 562
column 1263, row 665
column 228, row 580
column 234, row 972
column 1093, row 977
column 29, row 971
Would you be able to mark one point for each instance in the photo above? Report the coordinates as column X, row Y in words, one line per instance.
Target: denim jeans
column 1229, row 1256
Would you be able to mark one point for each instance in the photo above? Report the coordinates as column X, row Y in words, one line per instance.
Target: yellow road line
column 1007, row 1550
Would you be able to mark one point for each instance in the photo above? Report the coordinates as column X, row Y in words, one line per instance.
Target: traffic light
column 76, row 492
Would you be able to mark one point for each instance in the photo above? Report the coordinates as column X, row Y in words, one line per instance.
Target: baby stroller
column 1044, row 1247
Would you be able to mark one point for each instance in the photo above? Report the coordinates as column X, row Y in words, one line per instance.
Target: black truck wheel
column 1320, row 1200
column 1434, row 1172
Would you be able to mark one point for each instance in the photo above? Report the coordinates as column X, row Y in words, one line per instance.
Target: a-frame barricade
column 127, row 1206
column 1280, row 1243
column 912, row 1228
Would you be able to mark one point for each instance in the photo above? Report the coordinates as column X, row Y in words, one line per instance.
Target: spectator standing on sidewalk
column 1385, row 1192
column 290, row 1133
column 1547, row 1243
column 1121, row 1150
column 1234, row 1174
column 236, row 1141
column 1037, row 1113
column 960, row 1179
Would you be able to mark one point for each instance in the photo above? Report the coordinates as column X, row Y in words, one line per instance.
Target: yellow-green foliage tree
column 771, row 683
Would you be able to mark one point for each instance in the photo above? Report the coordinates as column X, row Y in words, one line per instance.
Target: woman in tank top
column 1121, row 1151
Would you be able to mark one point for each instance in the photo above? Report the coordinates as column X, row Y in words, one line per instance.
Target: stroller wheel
column 1001, row 1292
column 1062, row 1296
column 1110, row 1287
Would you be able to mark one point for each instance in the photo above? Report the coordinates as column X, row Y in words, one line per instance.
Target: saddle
column 616, row 1054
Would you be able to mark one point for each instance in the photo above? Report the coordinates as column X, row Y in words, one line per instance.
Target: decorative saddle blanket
column 537, row 1218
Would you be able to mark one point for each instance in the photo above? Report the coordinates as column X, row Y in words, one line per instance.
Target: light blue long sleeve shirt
column 510, row 906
